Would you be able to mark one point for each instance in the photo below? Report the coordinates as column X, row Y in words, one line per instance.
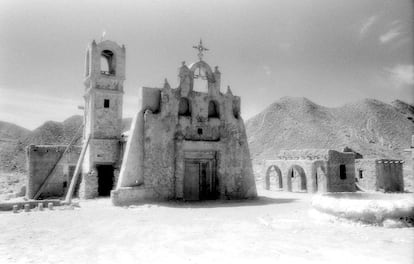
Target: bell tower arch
column 104, row 78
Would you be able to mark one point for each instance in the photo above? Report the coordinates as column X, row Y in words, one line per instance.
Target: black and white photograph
column 207, row 131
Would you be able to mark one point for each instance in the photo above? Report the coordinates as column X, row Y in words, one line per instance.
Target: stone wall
column 319, row 167
column 365, row 174
column 379, row 175
column 108, row 121
column 99, row 151
column 40, row 161
column 300, row 168
column 390, row 175
column 303, row 154
column 336, row 183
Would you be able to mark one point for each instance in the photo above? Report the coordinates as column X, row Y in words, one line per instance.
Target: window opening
column 236, row 112
column 213, row 110
column 342, row 172
column 106, row 103
column 184, row 107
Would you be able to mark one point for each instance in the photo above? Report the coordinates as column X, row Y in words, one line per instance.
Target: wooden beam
column 53, row 170
column 71, row 189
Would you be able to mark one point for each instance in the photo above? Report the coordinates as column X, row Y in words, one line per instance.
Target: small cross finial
column 103, row 35
column 200, row 49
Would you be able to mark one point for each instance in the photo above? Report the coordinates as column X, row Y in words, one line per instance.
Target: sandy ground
column 277, row 228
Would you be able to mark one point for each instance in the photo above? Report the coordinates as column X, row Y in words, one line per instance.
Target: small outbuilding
column 50, row 167
column 311, row 170
column 384, row 175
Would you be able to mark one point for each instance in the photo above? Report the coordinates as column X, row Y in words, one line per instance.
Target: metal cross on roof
column 200, row 49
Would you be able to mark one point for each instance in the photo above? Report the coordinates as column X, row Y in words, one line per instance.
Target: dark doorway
column 342, row 172
column 200, row 179
column 105, row 179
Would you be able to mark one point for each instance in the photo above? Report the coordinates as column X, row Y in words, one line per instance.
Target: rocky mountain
column 406, row 109
column 53, row 132
column 9, row 131
column 10, row 139
column 370, row 127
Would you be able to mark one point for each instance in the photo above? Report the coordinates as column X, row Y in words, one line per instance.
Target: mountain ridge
column 370, row 127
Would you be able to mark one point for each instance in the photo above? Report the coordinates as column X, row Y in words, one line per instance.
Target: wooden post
column 52, row 171
column 69, row 195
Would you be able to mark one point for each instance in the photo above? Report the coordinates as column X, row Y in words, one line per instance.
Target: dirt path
column 275, row 228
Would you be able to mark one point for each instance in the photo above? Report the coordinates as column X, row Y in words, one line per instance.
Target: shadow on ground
column 259, row 201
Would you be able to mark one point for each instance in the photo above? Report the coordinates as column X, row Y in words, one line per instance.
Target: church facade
column 187, row 144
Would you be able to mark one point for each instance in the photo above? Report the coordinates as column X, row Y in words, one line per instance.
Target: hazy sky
column 330, row 51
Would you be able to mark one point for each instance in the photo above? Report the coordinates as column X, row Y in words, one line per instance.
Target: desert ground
column 276, row 228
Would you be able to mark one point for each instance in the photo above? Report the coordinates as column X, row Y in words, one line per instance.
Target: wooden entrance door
column 199, row 179
column 191, row 180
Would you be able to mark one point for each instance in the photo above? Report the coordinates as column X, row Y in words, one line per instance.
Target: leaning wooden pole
column 55, row 166
column 75, row 176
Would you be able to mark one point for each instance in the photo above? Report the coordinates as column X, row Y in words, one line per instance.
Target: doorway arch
column 320, row 181
column 271, row 170
column 296, row 179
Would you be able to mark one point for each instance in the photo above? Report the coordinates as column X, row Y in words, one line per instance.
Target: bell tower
column 104, row 77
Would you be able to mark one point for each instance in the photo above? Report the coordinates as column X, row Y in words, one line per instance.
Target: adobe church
column 183, row 143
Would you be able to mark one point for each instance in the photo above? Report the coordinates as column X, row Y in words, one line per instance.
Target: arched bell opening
column 107, row 62
column 184, row 107
column 213, row 110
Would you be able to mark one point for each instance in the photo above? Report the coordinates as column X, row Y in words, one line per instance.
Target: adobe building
column 183, row 143
column 187, row 144
column 378, row 174
column 384, row 175
column 311, row 170
column 44, row 159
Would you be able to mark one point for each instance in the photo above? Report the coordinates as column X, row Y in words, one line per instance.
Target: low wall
column 40, row 162
column 320, row 167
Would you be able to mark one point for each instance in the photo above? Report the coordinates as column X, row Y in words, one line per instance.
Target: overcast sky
column 330, row 51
